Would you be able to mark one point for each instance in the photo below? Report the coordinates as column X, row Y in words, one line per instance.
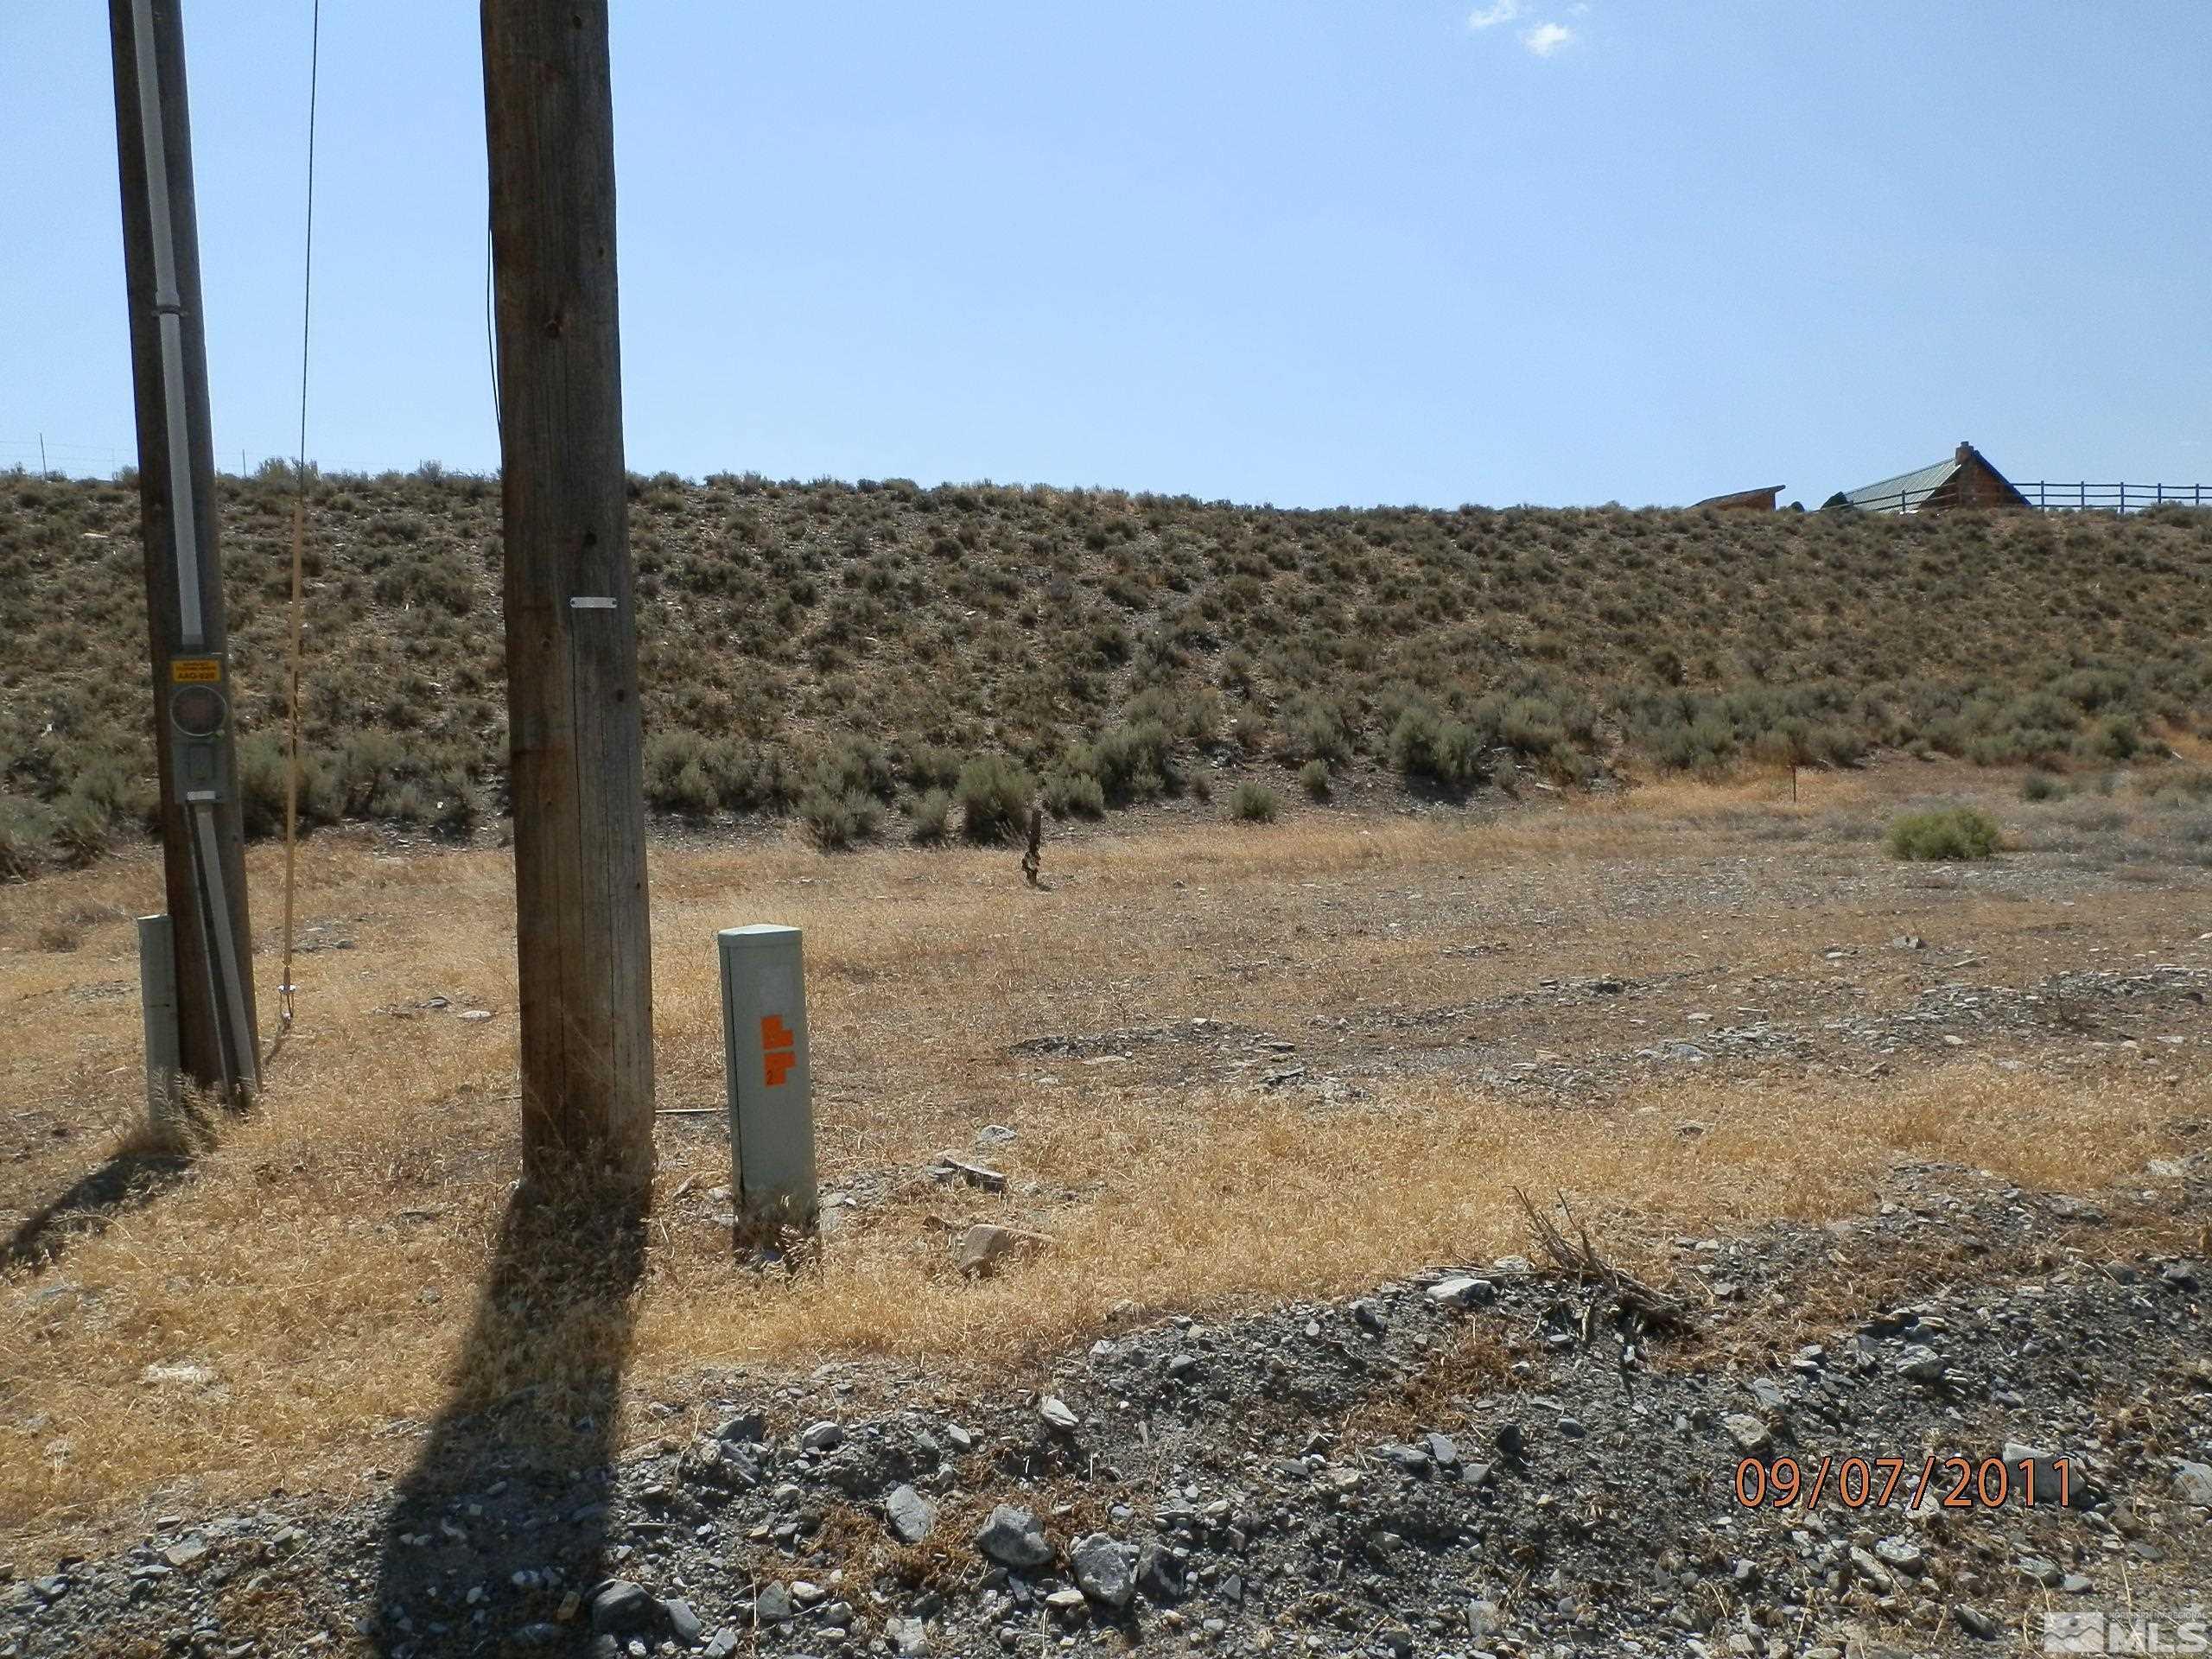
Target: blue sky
column 1304, row 253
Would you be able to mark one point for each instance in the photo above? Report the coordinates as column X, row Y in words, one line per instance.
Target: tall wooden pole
column 577, row 769
column 203, row 845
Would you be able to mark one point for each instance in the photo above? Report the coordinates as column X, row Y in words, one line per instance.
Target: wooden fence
column 2052, row 497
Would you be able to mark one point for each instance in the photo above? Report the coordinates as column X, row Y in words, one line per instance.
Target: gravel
column 1317, row 1481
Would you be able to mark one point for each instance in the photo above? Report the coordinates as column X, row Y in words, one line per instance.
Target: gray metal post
column 771, row 1087
column 157, row 1001
column 202, row 826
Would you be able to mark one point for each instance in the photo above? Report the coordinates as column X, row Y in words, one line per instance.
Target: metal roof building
column 1966, row 479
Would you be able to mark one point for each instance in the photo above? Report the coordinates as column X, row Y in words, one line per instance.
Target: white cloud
column 1499, row 11
column 1547, row 38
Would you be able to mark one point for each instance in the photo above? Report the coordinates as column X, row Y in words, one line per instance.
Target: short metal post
column 157, row 999
column 771, row 1088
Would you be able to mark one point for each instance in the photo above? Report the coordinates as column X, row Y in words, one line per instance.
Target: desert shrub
column 2116, row 737
column 1252, row 803
column 1314, row 730
column 930, row 765
column 2195, row 785
column 1944, row 832
column 855, row 767
column 1131, row 762
column 1074, row 795
column 993, row 798
column 929, row 819
column 82, row 824
column 1193, row 717
column 2043, row 786
column 264, row 764
column 1425, row 746
column 26, row 843
column 1313, row 777
column 369, row 765
column 834, row 820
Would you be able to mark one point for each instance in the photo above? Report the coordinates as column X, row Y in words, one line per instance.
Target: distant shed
column 1762, row 499
column 1966, row 479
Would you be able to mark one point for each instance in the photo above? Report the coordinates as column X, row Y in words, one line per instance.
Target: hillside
column 851, row 651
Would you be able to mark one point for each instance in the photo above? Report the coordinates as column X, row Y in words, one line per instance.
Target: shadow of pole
column 510, row 1496
column 127, row 1180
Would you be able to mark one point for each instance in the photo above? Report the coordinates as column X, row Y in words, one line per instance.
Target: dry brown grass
column 322, row 1260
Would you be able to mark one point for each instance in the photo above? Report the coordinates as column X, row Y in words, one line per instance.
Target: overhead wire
column 286, row 988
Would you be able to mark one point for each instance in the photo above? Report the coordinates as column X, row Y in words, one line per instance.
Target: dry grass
column 321, row 1263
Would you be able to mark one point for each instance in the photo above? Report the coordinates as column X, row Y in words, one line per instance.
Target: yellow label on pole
column 196, row 671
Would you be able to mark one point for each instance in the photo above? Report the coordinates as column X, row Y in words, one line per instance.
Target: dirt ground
column 1219, row 1066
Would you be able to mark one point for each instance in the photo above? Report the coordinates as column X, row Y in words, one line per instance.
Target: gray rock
column 1064, row 1601
column 1921, row 1363
column 1014, row 1537
column 746, row 1428
column 618, row 1607
column 907, row 1636
column 1975, row 1621
column 2048, row 1479
column 910, row 1514
column 980, row 1248
column 1161, row 1572
column 2193, row 1484
column 1462, row 1291
column 1441, row 1450
column 683, row 1624
column 1106, row 1569
column 1900, row 1551
column 774, row 1604
column 1057, row 1414
column 1748, row 1432
column 1872, row 1570
column 822, row 1437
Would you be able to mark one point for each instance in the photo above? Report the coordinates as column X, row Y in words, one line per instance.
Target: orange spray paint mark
column 778, row 1049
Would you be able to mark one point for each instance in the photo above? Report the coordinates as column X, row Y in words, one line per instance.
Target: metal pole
column 157, row 1002
column 770, row 1082
column 583, row 935
column 202, row 832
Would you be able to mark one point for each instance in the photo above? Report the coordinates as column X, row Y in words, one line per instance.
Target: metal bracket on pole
column 157, row 1002
column 771, row 1087
column 240, row 1064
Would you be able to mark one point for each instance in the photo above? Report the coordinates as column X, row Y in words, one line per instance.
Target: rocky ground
column 1497, row 1457
column 1518, row 1456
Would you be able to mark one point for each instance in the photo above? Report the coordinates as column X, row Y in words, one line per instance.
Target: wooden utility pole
column 203, row 847
column 576, row 762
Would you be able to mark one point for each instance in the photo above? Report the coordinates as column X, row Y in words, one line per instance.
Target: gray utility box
column 771, row 1088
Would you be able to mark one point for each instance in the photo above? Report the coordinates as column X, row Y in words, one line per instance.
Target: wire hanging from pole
column 299, row 536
